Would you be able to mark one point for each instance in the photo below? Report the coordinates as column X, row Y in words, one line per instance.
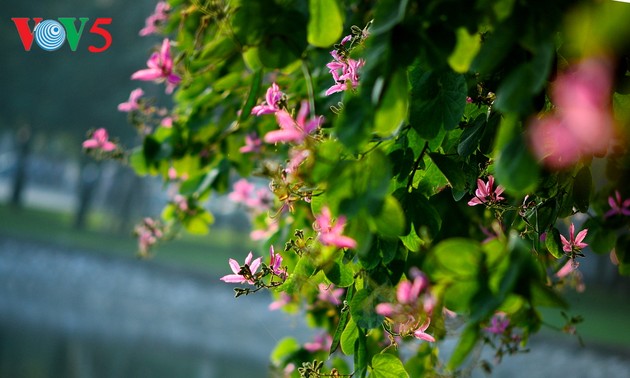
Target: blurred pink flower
column 330, row 294
column 498, row 324
column 293, row 130
column 99, row 141
column 582, row 124
column 282, row 301
column 239, row 276
column 486, row 193
column 252, row 143
column 321, row 342
column 160, row 68
column 132, row 104
column 242, row 192
column 331, row 234
column 618, row 206
column 159, row 16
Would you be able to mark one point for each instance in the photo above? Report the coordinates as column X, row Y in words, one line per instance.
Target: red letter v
column 26, row 34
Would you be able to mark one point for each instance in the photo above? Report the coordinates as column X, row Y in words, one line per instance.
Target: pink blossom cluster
column 159, row 16
column 618, row 206
column 344, row 70
column 411, row 312
column 582, row 124
column 149, row 232
column 132, row 104
column 160, row 68
column 291, row 130
column 246, row 193
column 330, row 232
column 240, row 275
column 487, row 193
column 99, row 141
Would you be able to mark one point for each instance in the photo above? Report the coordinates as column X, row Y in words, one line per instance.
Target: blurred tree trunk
column 23, row 140
column 88, row 181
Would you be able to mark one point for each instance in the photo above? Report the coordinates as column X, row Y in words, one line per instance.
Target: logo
column 50, row 35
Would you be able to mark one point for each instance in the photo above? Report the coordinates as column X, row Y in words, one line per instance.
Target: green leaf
column 199, row 224
column 344, row 319
column 465, row 51
column 554, row 243
column 325, row 23
column 392, row 110
column 284, row 350
column 390, row 222
column 339, row 273
column 354, row 123
column 349, row 338
column 516, row 169
column 438, row 100
column 138, row 162
column 582, row 189
column 467, row 342
column 385, row 365
column 471, row 137
column 253, row 95
column 451, row 169
column 458, row 257
column 362, row 309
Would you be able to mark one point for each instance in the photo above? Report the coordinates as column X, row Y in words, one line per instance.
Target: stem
column 309, row 86
column 416, row 164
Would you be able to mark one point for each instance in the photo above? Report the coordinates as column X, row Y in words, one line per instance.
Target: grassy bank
column 200, row 253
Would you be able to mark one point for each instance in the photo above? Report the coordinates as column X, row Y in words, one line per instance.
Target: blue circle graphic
column 50, row 35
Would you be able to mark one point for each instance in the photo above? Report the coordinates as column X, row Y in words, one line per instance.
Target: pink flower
column 244, row 274
column 160, row 68
column 275, row 263
column 421, row 334
column 272, row 228
column 297, row 157
column 159, row 15
column 293, row 130
column 149, row 232
column 617, row 206
column 582, row 124
column 273, row 98
column 567, row 268
column 132, row 104
column 99, row 141
column 344, row 71
column 252, row 143
column 498, row 324
column 331, row 234
column 167, row 122
column 242, row 192
column 486, row 193
column 320, row 342
column 575, row 243
column 411, row 312
column 330, row 294
column 284, row 300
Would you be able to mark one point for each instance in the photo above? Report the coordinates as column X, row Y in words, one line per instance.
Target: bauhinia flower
column 330, row 233
column 330, row 294
column 273, row 100
column 159, row 16
column 618, row 206
column 410, row 314
column 320, row 342
column 160, row 68
column 293, row 130
column 149, row 232
column 252, row 143
column 243, row 274
column 275, row 263
column 99, row 141
column 486, row 193
column 132, row 104
column 345, row 72
column 575, row 243
column 498, row 324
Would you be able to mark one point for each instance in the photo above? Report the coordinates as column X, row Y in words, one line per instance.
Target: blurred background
column 74, row 300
